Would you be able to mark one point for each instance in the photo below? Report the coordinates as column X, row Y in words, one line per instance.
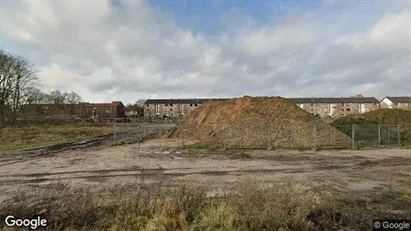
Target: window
column 171, row 105
column 195, row 105
column 348, row 109
column 148, row 105
column 191, row 105
column 166, row 105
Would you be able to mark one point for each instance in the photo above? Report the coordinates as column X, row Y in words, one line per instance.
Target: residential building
column 323, row 107
column 402, row 102
column 111, row 110
column 175, row 108
column 337, row 107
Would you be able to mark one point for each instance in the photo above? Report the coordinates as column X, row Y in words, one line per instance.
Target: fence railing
column 272, row 135
column 139, row 131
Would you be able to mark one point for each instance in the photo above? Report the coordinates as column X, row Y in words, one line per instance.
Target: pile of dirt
column 258, row 122
column 388, row 116
column 379, row 116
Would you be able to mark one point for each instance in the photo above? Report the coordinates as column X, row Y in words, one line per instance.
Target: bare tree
column 7, row 62
column 17, row 75
column 24, row 78
column 57, row 97
column 33, row 95
column 72, row 97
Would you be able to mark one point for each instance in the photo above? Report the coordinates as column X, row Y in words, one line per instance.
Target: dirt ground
column 98, row 167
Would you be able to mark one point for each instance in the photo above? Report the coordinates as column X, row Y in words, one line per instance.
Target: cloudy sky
column 129, row 49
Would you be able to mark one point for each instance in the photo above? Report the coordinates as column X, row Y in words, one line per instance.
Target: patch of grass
column 157, row 207
column 194, row 148
column 19, row 137
column 250, row 206
column 125, row 142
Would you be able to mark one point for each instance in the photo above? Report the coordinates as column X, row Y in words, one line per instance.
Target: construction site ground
column 355, row 172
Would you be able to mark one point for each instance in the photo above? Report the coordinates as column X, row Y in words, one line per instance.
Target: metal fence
column 139, row 131
column 273, row 135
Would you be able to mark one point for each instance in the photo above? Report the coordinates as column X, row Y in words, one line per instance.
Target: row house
column 337, row 107
column 111, row 110
column 402, row 102
column 175, row 108
column 332, row 107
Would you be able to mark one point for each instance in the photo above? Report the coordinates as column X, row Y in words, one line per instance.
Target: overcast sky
column 129, row 50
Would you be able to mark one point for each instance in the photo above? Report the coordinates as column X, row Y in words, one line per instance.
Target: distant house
column 323, row 107
column 85, row 110
column 111, row 110
column 402, row 102
column 336, row 107
column 174, row 108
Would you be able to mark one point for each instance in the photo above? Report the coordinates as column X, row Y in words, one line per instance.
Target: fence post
column 182, row 137
column 315, row 136
column 399, row 134
column 269, row 137
column 353, row 136
column 114, row 128
column 160, row 137
column 379, row 135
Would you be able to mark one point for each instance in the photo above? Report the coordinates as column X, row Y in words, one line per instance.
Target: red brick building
column 82, row 110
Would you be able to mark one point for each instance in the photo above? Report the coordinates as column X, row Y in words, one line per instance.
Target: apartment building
column 337, row 107
column 175, row 108
column 111, row 110
column 402, row 102
column 323, row 107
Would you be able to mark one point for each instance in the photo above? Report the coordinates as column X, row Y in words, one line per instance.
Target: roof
column 399, row 99
column 180, row 101
column 335, row 100
column 83, row 104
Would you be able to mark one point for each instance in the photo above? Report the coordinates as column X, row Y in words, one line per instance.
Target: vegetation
column 19, row 137
column 157, row 207
column 380, row 116
column 366, row 126
column 18, row 87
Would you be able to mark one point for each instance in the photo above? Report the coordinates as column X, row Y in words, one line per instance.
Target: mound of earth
column 258, row 122
column 380, row 116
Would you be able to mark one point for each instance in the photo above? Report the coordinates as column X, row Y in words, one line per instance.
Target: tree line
column 19, row 86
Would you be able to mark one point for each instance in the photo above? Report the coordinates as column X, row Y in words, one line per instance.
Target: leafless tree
column 7, row 62
column 24, row 78
column 72, row 97
column 17, row 75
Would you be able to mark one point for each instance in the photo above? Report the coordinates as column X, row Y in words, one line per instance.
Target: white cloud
column 136, row 51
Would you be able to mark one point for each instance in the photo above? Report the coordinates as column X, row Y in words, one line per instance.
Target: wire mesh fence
column 273, row 135
column 139, row 131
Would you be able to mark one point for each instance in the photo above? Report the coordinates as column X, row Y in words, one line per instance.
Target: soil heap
column 387, row 116
column 258, row 122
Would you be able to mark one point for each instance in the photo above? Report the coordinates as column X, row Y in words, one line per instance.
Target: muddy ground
column 348, row 171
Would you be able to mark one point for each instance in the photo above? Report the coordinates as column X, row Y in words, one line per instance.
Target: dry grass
column 157, row 207
column 17, row 137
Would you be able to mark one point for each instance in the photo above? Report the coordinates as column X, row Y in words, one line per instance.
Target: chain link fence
column 274, row 135
column 139, row 131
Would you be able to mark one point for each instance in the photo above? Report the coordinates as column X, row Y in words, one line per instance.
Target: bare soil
column 161, row 160
column 258, row 122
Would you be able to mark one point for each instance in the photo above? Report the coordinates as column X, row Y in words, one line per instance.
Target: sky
column 109, row 50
